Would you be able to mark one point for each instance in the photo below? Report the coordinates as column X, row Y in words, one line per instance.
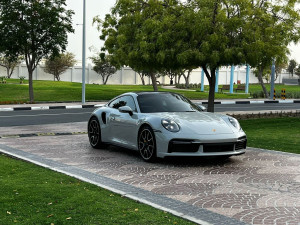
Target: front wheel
column 94, row 133
column 147, row 144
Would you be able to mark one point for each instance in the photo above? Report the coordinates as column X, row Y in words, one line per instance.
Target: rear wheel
column 94, row 133
column 147, row 144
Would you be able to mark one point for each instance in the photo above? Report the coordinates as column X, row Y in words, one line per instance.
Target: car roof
column 152, row 92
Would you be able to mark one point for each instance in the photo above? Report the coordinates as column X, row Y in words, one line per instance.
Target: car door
column 123, row 125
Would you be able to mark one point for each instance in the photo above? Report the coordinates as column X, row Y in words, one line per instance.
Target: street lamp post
column 83, row 52
column 272, row 80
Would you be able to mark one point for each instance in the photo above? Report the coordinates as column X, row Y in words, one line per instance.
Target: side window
column 123, row 101
column 129, row 102
column 116, row 103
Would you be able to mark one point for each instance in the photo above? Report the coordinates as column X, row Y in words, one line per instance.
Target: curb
column 100, row 105
column 40, row 134
column 50, row 107
column 253, row 102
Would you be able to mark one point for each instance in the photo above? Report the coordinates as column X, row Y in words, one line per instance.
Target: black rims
column 147, row 144
column 94, row 133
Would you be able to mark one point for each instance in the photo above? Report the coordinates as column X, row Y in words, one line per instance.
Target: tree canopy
column 292, row 66
column 10, row 63
column 56, row 65
column 34, row 29
column 161, row 35
column 103, row 67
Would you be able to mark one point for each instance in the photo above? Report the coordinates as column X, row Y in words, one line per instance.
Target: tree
column 35, row 29
column 292, row 66
column 10, row 63
column 160, row 35
column 57, row 65
column 143, row 34
column 103, row 67
column 214, row 37
column 272, row 26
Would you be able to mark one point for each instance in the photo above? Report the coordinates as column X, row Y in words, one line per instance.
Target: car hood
column 203, row 123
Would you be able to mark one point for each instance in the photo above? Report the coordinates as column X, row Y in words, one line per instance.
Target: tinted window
column 129, row 102
column 123, row 101
column 165, row 102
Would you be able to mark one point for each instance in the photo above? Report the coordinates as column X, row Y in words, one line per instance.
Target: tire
column 147, row 144
column 94, row 133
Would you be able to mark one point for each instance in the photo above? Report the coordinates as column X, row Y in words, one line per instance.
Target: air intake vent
column 220, row 147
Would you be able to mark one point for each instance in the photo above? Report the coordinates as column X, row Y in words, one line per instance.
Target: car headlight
column 170, row 125
column 234, row 123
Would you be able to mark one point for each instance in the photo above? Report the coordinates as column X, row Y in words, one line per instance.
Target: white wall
column 127, row 76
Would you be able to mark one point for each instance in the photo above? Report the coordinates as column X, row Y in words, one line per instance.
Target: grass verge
column 282, row 134
column 34, row 195
column 45, row 91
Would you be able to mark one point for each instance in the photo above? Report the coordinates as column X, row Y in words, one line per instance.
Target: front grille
column 183, row 145
column 219, row 147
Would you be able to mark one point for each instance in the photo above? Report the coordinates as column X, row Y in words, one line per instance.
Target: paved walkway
column 259, row 187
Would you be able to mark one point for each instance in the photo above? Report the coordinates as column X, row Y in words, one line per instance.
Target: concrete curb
column 175, row 207
column 2, row 109
column 40, row 134
column 253, row 102
column 50, row 107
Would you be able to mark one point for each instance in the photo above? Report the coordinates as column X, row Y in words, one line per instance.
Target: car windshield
column 165, row 102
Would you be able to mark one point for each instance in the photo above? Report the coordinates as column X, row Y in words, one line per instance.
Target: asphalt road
column 38, row 117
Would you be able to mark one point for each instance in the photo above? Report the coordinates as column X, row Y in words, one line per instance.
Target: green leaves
column 34, row 29
column 157, row 35
column 56, row 65
column 103, row 66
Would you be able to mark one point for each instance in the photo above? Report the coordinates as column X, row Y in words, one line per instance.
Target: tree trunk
column 261, row 81
column 186, row 78
column 186, row 81
column 103, row 80
column 179, row 76
column 142, row 79
column 212, row 82
column 106, row 79
column 153, row 79
column 57, row 77
column 31, row 97
column 8, row 73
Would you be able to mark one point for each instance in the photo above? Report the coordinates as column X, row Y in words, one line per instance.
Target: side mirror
column 126, row 109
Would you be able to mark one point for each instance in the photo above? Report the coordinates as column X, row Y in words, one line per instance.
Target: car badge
column 214, row 130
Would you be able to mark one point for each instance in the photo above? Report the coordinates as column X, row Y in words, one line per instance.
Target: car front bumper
column 173, row 144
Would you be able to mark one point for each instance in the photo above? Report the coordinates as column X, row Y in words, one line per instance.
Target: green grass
column 46, row 91
column 34, row 195
column 282, row 134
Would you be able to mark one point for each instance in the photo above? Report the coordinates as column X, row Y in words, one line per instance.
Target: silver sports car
column 160, row 124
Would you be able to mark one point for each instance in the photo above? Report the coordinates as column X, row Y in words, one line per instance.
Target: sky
column 93, row 43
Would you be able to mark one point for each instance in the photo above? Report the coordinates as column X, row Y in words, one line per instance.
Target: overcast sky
column 102, row 7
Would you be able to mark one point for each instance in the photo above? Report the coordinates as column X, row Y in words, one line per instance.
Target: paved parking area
column 259, row 187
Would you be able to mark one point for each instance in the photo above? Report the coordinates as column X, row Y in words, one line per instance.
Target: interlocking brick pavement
column 259, row 187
